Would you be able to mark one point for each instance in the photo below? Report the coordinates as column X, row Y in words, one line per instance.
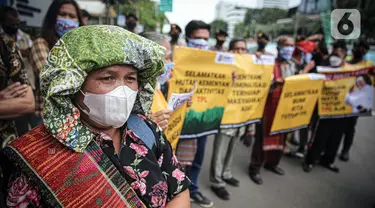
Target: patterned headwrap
column 77, row 53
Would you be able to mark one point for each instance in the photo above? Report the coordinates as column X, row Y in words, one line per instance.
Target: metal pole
column 107, row 20
column 296, row 24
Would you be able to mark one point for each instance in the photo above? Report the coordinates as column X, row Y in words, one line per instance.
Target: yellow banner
column 213, row 73
column 176, row 120
column 347, row 91
column 159, row 103
column 175, row 123
column 249, row 92
column 297, row 102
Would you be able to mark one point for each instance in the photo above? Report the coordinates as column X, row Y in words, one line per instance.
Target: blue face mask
column 286, row 52
column 64, row 25
column 163, row 78
column 198, row 43
column 307, row 57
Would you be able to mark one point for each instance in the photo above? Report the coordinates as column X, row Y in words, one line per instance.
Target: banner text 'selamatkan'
column 213, row 74
column 296, row 105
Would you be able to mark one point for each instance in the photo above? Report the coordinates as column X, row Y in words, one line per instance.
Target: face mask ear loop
column 78, row 105
column 84, row 94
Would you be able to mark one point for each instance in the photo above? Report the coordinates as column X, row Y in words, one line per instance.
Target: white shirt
column 361, row 97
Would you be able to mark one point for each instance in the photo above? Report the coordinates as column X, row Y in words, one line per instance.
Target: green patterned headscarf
column 77, row 53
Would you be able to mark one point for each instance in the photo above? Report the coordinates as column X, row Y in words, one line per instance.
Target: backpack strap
column 142, row 130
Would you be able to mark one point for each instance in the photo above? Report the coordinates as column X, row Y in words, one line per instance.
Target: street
column 353, row 187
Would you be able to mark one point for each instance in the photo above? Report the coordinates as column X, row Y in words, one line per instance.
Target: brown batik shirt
column 11, row 71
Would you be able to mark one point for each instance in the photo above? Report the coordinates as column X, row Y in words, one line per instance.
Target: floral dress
column 155, row 174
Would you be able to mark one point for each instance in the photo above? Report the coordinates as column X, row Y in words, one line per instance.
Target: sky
column 186, row 10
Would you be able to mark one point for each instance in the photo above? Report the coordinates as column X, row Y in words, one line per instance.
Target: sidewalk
column 353, row 187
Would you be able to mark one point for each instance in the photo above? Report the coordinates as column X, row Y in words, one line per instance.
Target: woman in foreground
column 97, row 148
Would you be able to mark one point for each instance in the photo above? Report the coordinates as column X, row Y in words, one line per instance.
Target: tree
column 147, row 13
column 218, row 24
column 239, row 30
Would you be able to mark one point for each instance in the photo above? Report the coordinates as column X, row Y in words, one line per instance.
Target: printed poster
column 212, row 73
column 178, row 106
column 296, row 105
column 347, row 91
column 248, row 94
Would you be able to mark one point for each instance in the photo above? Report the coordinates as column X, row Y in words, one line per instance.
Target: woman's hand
column 13, row 91
column 309, row 67
column 258, row 54
column 234, row 75
column 280, row 80
column 351, row 89
column 161, row 118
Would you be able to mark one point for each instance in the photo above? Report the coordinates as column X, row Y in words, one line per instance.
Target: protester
column 338, row 55
column 85, row 17
column 16, row 100
column 237, row 46
column 61, row 17
column 221, row 37
column 253, row 131
column 319, row 58
column 131, row 22
column 224, row 146
column 92, row 141
column 303, row 54
column 328, row 133
column 175, row 34
column 359, row 51
column 10, row 22
column 262, row 41
column 191, row 152
column 268, row 149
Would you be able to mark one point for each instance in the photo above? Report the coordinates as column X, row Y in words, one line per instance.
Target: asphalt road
column 353, row 187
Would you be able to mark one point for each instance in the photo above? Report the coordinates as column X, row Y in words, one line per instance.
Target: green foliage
column 218, row 24
column 264, row 16
column 147, row 12
column 260, row 20
column 265, row 20
column 198, row 122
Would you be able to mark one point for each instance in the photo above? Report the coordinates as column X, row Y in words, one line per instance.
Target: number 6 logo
column 345, row 24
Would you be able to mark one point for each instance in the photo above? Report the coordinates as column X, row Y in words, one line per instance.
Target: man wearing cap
column 131, row 22
column 262, row 41
column 175, row 33
column 221, row 36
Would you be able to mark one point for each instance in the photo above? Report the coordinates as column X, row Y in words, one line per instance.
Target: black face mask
column 131, row 25
column 175, row 37
column 11, row 30
column 220, row 42
column 261, row 45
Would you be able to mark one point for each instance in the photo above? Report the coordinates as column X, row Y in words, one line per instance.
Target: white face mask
column 335, row 61
column 111, row 109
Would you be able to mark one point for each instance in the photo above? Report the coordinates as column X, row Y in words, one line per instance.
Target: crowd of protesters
column 54, row 90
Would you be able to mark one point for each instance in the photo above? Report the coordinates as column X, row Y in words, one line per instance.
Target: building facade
column 281, row 4
column 231, row 13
